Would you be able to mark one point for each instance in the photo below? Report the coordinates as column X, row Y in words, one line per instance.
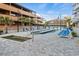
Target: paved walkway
column 43, row 45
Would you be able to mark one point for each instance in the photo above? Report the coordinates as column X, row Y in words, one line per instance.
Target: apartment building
column 14, row 11
column 76, row 14
column 76, row 17
column 57, row 22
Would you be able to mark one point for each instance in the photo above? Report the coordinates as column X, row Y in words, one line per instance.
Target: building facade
column 76, row 14
column 76, row 17
column 14, row 12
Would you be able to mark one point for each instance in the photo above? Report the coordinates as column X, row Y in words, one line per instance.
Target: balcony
column 75, row 19
column 74, row 12
column 16, row 10
column 76, row 6
column 14, row 18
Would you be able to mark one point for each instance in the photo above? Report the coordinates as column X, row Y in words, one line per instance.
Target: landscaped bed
column 17, row 38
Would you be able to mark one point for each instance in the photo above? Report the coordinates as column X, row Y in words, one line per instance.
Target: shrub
column 74, row 34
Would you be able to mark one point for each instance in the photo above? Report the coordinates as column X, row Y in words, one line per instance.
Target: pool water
column 44, row 31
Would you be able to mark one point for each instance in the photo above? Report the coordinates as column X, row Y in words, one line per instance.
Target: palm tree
column 17, row 25
column 46, row 24
column 32, row 22
column 1, row 19
column 26, row 20
column 68, row 21
column 7, row 22
column 22, row 20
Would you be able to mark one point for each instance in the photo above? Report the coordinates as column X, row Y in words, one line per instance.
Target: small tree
column 2, row 20
column 31, row 22
column 6, row 21
column 46, row 24
column 26, row 20
column 22, row 20
column 68, row 21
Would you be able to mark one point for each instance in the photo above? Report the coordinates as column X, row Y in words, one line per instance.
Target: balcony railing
column 14, row 18
column 16, row 10
column 76, row 6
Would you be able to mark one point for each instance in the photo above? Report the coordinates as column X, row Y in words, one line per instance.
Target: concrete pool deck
column 43, row 45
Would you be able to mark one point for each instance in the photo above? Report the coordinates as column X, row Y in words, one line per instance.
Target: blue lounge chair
column 65, row 32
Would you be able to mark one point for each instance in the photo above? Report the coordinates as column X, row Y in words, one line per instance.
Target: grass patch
column 17, row 38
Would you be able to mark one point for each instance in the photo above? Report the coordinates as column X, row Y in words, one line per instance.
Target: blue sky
column 50, row 10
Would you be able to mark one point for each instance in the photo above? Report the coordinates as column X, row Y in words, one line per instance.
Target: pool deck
column 42, row 45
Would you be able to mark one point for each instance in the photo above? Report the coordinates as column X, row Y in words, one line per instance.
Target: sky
column 50, row 11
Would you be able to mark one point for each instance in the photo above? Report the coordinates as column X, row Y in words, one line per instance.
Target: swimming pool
column 43, row 31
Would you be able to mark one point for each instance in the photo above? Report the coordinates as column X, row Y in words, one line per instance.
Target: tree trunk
column 30, row 27
column 17, row 27
column 23, row 28
column 37, row 27
column 6, row 29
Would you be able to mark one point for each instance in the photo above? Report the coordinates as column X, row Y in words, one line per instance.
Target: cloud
column 49, row 16
column 66, row 15
column 51, row 12
column 60, row 10
column 53, row 16
column 38, row 15
column 42, row 6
